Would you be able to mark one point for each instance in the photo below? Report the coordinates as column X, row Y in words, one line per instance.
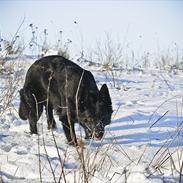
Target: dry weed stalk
column 159, row 119
column 110, row 52
column 80, row 151
column 54, row 139
column 155, row 111
column 180, row 175
column 1, row 176
column 44, row 146
column 55, row 143
column 166, row 156
column 10, row 90
column 39, row 154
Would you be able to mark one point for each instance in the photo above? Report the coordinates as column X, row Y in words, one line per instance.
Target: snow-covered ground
column 143, row 144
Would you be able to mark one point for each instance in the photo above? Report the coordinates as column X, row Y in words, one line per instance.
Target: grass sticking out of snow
column 142, row 144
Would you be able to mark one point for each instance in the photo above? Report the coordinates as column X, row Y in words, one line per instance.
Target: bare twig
column 47, row 156
column 161, row 106
column 55, row 143
column 180, row 174
column 159, row 119
column 39, row 154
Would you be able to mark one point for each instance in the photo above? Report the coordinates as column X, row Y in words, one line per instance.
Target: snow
column 143, row 144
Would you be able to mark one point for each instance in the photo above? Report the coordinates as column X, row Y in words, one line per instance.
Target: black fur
column 56, row 83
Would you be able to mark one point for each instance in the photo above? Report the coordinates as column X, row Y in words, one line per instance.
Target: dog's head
column 98, row 113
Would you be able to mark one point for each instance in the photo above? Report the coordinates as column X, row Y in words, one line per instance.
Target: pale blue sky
column 143, row 25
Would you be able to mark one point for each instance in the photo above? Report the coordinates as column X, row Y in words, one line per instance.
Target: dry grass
column 95, row 161
column 109, row 54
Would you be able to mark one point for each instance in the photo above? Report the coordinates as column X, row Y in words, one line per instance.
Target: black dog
column 56, row 83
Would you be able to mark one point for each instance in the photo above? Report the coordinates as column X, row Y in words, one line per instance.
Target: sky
column 138, row 25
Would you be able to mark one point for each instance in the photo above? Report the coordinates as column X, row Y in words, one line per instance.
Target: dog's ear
column 22, row 95
column 26, row 95
column 104, row 95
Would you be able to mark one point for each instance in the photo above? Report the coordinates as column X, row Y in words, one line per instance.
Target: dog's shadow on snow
column 163, row 132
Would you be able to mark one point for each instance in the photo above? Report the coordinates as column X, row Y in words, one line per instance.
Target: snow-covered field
column 143, row 144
